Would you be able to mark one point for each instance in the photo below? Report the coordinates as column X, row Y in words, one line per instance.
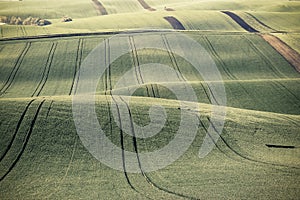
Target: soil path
column 240, row 21
column 175, row 23
column 292, row 56
column 100, row 8
column 146, row 6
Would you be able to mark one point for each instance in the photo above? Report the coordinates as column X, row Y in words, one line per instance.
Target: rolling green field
column 257, row 155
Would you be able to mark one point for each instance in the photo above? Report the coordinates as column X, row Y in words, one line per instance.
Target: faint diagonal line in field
column 27, row 137
column 245, row 156
column 265, row 59
column 46, row 71
column 16, row 68
column 172, row 58
column 217, row 57
column 77, row 64
column 139, row 161
column 16, row 130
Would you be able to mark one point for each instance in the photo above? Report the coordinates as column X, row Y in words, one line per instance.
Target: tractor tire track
column 172, row 58
column 174, row 22
column 108, row 91
column 77, row 62
column 16, row 68
column 27, row 137
column 264, row 58
column 244, row 156
column 260, row 22
column 240, row 22
column 100, row 8
column 46, row 71
column 136, row 63
column 122, row 144
column 49, row 108
column 218, row 58
column 153, row 184
column 146, row 6
column 16, row 130
column 284, row 88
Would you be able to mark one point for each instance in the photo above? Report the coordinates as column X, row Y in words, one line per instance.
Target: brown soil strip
column 169, row 9
column 146, row 6
column 240, row 21
column 292, row 56
column 100, row 7
column 175, row 23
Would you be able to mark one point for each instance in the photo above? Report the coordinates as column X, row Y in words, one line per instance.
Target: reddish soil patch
column 240, row 21
column 169, row 9
column 292, row 56
column 100, row 8
column 146, row 6
column 175, row 23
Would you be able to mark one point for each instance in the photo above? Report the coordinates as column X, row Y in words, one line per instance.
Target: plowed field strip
column 27, row 137
column 16, row 130
column 16, row 68
column 146, row 6
column 292, row 56
column 240, row 21
column 175, row 23
column 100, row 8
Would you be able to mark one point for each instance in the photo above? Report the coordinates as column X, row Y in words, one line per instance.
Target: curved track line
column 16, row 68
column 264, row 58
column 46, row 71
column 218, row 58
column 260, row 22
column 17, row 129
column 24, row 143
column 139, row 161
column 77, row 63
column 244, row 156
column 172, row 58
column 122, row 145
column 108, row 85
column 288, row 53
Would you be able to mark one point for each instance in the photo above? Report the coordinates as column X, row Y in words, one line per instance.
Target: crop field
column 254, row 45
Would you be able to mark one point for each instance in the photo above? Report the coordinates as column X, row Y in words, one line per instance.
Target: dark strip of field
column 292, row 56
column 280, row 146
column 240, row 21
column 146, row 6
column 100, row 7
column 175, row 23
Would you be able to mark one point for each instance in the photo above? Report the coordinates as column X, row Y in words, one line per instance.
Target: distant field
column 257, row 154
